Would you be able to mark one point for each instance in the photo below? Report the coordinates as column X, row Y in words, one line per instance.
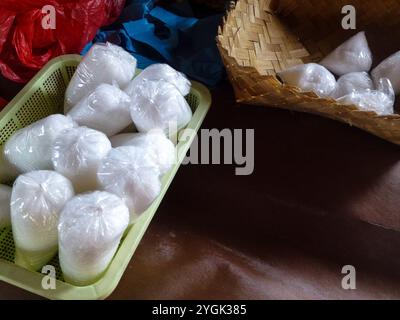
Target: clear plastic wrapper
column 351, row 82
column 104, row 63
column 390, row 69
column 77, row 154
column 29, row 148
column 380, row 101
column 162, row 71
column 354, row 55
column 8, row 172
column 36, row 202
column 130, row 173
column 5, row 200
column 310, row 77
column 156, row 144
column 90, row 229
column 106, row 109
column 158, row 105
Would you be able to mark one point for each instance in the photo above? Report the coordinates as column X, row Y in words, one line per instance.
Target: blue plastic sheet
column 155, row 35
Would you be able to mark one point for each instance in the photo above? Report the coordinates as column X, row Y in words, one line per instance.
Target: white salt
column 29, row 148
column 130, row 173
column 77, row 154
column 36, row 202
column 158, row 105
column 310, row 77
column 104, row 63
column 380, row 101
column 351, row 82
column 154, row 142
column 106, row 109
column 162, row 71
column 90, row 229
column 354, row 55
column 389, row 68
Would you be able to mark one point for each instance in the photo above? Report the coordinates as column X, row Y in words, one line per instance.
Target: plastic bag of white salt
column 354, row 55
column 36, row 202
column 77, row 154
column 155, row 142
column 131, row 173
column 389, row 68
column 380, row 101
column 351, row 82
column 5, row 200
column 29, row 148
column 104, row 63
column 162, row 71
column 90, row 229
column 158, row 105
column 310, row 77
column 106, row 109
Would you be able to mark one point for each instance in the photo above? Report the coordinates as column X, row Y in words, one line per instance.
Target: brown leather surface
column 311, row 206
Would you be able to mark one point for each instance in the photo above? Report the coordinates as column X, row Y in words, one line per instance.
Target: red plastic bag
column 25, row 46
column 3, row 103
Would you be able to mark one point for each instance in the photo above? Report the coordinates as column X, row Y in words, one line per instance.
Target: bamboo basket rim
column 273, row 10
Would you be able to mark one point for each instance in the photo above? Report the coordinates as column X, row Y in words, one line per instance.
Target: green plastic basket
column 42, row 96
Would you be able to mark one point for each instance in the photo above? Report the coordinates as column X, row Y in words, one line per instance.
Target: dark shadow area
column 319, row 186
column 303, row 163
column 9, row 89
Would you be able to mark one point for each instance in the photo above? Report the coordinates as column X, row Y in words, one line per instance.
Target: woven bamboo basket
column 262, row 37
